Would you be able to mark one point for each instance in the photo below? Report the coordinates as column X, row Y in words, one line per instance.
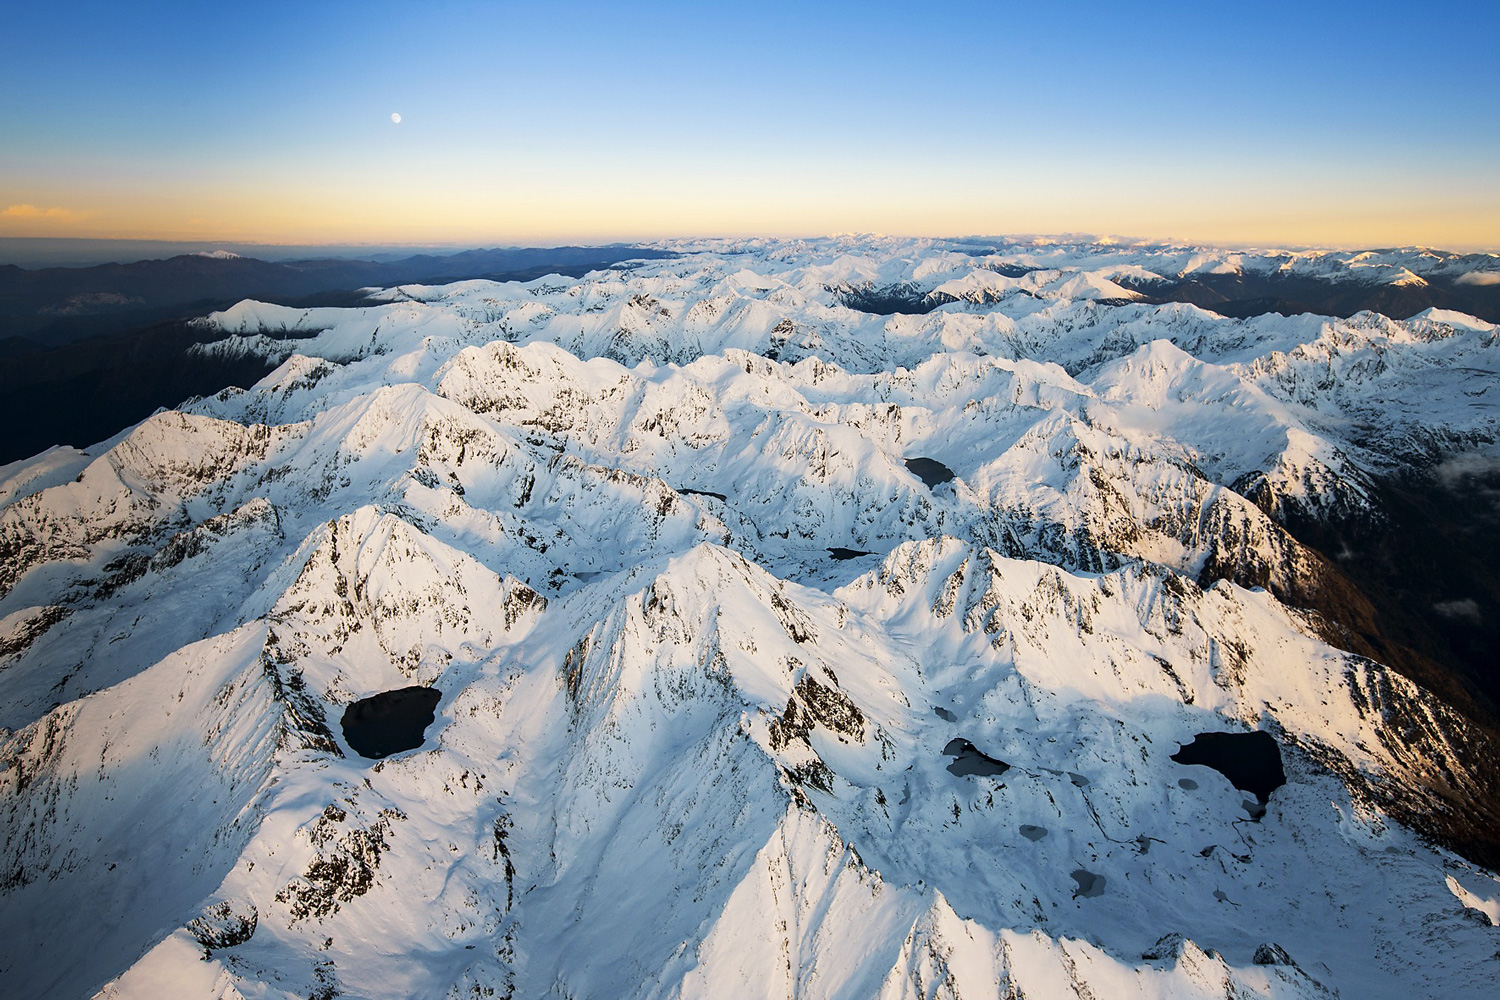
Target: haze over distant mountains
column 54, row 305
column 88, row 348
column 35, row 252
column 128, row 353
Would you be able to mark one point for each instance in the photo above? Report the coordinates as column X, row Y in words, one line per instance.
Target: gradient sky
column 1332, row 123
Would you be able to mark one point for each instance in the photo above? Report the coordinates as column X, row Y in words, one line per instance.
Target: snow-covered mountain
column 782, row 647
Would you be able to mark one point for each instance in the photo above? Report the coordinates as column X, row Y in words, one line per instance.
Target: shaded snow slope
column 679, row 749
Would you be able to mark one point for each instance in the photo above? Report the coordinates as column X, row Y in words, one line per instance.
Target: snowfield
column 705, row 641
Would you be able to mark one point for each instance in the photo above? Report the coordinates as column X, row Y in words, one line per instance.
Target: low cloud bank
column 1478, row 278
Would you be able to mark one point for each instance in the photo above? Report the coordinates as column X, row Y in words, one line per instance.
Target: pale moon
column 396, row 117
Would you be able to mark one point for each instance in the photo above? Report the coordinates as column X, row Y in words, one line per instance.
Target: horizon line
column 543, row 242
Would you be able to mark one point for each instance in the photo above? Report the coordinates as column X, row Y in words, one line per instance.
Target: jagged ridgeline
column 724, row 626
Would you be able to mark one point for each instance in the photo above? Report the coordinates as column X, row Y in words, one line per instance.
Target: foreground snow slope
column 681, row 749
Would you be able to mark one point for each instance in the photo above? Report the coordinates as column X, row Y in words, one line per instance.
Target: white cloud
column 1452, row 472
column 1478, row 278
column 1465, row 610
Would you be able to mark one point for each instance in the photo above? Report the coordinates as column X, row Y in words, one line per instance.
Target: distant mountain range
column 1238, row 284
column 85, row 350
column 56, row 251
column 55, row 305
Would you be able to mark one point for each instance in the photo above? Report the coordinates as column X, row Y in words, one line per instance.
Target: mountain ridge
column 680, row 750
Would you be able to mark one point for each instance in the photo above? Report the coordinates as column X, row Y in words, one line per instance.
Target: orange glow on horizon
column 473, row 201
column 498, row 219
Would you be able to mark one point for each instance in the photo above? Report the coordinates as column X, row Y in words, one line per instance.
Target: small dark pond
column 1251, row 761
column 1089, row 884
column 944, row 714
column 390, row 722
column 1033, row 833
column 930, row 471
column 967, row 760
column 842, row 553
column 704, row 493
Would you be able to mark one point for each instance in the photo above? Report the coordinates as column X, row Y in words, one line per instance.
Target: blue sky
column 1271, row 122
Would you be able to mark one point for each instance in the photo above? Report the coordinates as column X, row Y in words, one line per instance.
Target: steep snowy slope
column 780, row 647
